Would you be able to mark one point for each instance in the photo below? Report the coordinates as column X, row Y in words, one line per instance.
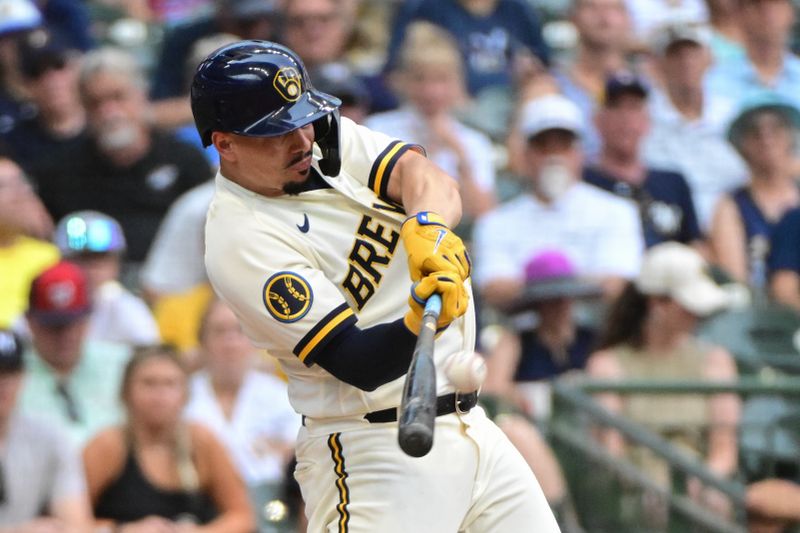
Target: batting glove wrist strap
column 433, row 247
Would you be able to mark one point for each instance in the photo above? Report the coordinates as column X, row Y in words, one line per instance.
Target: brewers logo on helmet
column 261, row 89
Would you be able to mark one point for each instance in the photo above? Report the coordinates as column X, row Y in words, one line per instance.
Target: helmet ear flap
column 326, row 135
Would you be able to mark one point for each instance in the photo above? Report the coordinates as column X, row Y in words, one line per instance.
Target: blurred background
column 630, row 175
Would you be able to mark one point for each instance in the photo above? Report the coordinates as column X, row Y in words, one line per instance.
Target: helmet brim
column 311, row 106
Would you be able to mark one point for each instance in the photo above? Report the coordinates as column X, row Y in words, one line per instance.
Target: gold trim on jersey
column 335, row 445
column 326, row 329
column 382, row 168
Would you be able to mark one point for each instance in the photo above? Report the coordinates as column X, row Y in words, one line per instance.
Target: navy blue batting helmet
column 261, row 89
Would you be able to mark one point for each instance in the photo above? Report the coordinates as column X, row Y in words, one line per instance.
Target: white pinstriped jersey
column 299, row 269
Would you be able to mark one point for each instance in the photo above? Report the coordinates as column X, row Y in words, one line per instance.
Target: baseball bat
column 418, row 406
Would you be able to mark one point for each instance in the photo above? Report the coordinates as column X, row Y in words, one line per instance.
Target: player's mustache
column 298, row 159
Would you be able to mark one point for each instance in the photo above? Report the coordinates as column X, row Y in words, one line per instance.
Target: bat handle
column 433, row 306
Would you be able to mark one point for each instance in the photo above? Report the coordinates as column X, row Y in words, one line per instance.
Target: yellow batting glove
column 433, row 247
column 454, row 300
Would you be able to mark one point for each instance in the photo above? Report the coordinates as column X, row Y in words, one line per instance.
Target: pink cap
column 548, row 264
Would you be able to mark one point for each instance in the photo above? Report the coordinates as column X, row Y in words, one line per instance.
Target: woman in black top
column 158, row 473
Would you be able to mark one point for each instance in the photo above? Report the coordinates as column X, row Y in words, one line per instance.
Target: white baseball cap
column 550, row 112
column 678, row 271
column 680, row 32
column 18, row 16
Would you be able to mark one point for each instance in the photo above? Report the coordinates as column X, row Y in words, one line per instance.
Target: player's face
column 156, row 393
column 228, row 351
column 271, row 166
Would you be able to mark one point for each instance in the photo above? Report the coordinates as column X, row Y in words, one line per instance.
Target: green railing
column 576, row 411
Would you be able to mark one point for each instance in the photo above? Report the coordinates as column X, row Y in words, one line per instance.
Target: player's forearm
column 368, row 358
column 420, row 185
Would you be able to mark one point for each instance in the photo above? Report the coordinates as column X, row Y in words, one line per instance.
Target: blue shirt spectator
column 785, row 252
column 767, row 68
column 537, row 361
column 665, row 203
column 488, row 41
column 784, row 260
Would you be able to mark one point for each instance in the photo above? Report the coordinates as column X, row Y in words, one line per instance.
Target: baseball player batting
column 318, row 230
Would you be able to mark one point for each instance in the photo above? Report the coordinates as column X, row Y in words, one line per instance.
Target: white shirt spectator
column 40, row 468
column 120, row 317
column 697, row 149
column 599, row 232
column 261, row 417
column 408, row 125
column 175, row 261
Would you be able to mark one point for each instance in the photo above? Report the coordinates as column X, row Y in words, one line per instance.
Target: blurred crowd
column 628, row 169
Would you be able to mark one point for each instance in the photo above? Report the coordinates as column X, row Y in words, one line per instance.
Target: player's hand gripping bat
column 418, row 407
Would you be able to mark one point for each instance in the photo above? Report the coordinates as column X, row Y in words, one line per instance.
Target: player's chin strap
column 327, row 137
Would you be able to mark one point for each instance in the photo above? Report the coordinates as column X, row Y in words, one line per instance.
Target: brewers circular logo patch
column 288, row 83
column 287, row 296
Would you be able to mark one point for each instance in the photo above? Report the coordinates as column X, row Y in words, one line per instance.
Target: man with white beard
column 126, row 168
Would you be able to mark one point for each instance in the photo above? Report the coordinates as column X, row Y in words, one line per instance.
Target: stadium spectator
column 41, row 475
column 521, row 365
column 247, row 410
column 158, row 472
column 604, row 38
column 70, row 380
column 491, row 34
column 325, row 31
column 70, row 20
column 598, row 232
column 17, row 17
column 744, row 221
column 247, row 19
column 767, row 68
column 317, row 30
column 650, row 334
column 726, row 31
column 687, row 135
column 647, row 16
column 175, row 260
column 430, row 80
column 338, row 79
column 50, row 70
column 784, row 261
column 664, row 199
column 200, row 50
column 126, row 169
column 95, row 242
column 25, row 228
